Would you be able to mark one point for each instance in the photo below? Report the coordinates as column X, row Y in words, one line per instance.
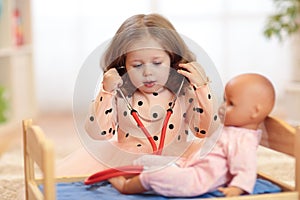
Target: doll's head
column 248, row 100
column 136, row 33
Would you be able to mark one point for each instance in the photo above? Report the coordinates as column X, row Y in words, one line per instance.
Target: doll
column 231, row 165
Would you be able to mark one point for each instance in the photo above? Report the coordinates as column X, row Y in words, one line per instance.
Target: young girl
column 150, row 73
column 231, row 165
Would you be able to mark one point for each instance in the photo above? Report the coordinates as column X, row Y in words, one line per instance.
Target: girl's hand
column 194, row 72
column 111, row 80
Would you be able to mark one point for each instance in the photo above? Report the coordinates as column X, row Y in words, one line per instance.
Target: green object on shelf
column 285, row 21
column 3, row 105
column 1, row 6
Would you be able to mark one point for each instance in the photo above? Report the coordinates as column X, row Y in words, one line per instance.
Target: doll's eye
column 157, row 63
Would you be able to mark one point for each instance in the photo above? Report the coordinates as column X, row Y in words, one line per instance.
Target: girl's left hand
column 194, row 72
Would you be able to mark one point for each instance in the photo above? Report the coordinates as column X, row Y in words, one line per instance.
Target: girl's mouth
column 149, row 84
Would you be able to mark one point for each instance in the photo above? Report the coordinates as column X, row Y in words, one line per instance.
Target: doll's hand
column 111, row 80
column 194, row 72
column 231, row 191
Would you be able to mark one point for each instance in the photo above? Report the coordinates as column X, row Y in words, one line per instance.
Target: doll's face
column 238, row 107
column 148, row 66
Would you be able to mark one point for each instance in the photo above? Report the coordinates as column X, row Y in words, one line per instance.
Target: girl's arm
column 101, row 120
column 203, row 109
column 201, row 102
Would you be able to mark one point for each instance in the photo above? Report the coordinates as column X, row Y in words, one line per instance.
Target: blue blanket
column 104, row 190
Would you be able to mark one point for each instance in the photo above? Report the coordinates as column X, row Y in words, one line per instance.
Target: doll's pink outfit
column 231, row 162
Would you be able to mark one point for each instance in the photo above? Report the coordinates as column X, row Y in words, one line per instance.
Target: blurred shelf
column 16, row 50
column 16, row 63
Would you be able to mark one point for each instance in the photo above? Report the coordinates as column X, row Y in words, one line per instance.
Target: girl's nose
column 147, row 71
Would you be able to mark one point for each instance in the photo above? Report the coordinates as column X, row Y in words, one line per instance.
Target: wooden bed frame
column 278, row 135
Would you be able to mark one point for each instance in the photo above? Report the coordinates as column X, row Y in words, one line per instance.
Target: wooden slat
column 297, row 157
column 272, row 196
column 28, row 163
column 279, row 136
column 283, row 186
column 33, row 192
column 35, row 144
column 48, row 171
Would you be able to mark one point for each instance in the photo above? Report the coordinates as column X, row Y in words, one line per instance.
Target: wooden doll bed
column 278, row 136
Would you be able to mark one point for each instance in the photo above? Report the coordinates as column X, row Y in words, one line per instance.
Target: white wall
column 230, row 31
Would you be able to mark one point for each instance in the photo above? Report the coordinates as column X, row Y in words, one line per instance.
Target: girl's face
column 148, row 65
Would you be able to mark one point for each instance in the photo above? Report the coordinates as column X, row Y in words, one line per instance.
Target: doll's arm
column 127, row 186
column 101, row 121
column 242, row 162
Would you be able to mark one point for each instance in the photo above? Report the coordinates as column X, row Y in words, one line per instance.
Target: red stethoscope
column 135, row 170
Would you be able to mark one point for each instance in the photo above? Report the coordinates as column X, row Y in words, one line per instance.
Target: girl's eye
column 157, row 63
column 137, row 65
column 231, row 103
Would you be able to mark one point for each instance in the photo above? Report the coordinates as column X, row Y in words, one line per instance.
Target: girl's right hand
column 112, row 80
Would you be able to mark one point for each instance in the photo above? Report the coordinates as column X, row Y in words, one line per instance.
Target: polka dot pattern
column 215, row 117
column 103, row 133
column 92, row 118
column 199, row 110
column 178, row 137
column 108, row 111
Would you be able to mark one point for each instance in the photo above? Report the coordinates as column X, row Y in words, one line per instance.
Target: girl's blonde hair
column 138, row 27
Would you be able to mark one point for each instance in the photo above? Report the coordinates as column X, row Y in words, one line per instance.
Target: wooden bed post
column 28, row 171
column 297, row 158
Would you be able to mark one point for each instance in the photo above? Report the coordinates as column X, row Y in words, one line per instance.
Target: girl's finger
column 184, row 73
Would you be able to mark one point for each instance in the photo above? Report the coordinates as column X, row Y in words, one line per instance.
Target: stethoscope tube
column 113, row 172
column 145, row 131
column 163, row 131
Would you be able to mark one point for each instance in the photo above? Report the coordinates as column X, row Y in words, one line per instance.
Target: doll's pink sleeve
column 101, row 121
column 243, row 163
